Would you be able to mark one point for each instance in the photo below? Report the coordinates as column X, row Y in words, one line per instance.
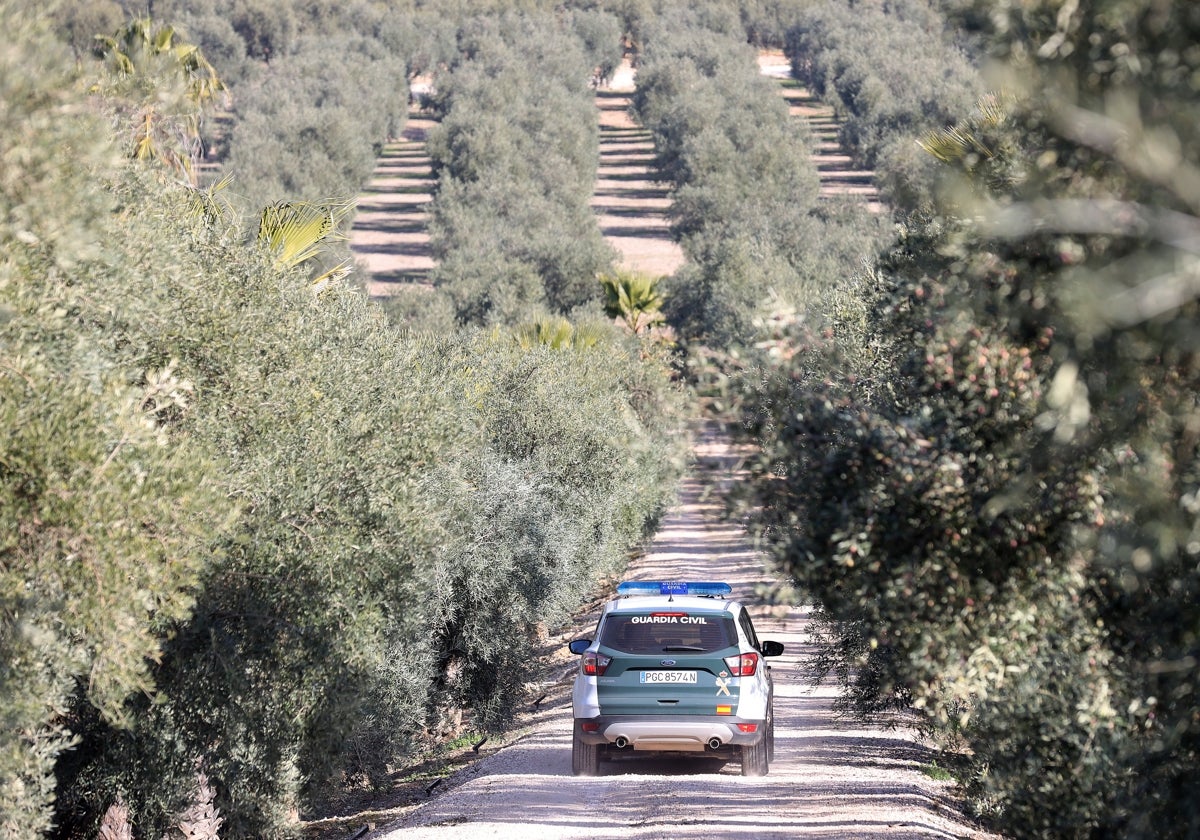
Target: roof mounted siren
column 704, row 589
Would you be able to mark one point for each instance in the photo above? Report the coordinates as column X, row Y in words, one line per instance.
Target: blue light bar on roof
column 673, row 587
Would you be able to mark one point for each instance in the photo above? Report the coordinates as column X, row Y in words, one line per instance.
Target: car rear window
column 659, row 632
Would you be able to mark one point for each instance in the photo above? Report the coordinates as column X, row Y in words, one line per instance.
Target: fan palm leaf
column 295, row 231
column 634, row 298
column 970, row 136
column 557, row 334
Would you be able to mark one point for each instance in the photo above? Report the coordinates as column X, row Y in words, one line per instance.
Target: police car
column 674, row 667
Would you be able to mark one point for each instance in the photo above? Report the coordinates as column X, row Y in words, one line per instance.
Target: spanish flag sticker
column 724, row 710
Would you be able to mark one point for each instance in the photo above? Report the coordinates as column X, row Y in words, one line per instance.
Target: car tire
column 754, row 758
column 585, row 758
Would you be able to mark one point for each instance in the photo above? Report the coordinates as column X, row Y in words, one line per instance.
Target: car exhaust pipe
column 714, row 743
column 621, row 742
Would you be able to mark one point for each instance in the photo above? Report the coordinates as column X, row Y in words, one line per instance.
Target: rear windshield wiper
column 685, row 647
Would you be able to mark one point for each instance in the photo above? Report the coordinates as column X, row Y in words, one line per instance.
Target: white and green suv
column 674, row 668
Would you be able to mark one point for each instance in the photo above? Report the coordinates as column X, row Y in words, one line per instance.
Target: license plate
column 668, row 676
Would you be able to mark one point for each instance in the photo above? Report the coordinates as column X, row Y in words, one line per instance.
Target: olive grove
column 255, row 534
column 986, row 479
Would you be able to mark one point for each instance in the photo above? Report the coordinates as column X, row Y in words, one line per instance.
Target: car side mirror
column 772, row 648
column 580, row 646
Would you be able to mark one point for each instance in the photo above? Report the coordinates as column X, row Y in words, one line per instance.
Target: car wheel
column 754, row 758
column 585, row 758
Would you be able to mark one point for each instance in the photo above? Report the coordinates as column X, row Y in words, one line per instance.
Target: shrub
column 512, row 226
column 987, row 489
column 892, row 72
column 312, row 125
column 745, row 199
column 105, row 509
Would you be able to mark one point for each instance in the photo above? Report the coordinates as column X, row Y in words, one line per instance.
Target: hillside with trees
column 259, row 538
column 984, row 477
column 266, row 542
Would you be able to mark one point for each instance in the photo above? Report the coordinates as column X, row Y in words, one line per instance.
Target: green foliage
column 516, row 153
column 767, row 21
column 986, row 480
column 562, row 488
column 312, row 125
column 601, row 36
column 266, row 29
column 892, row 71
column 634, row 298
column 79, row 24
column 745, row 199
column 221, row 43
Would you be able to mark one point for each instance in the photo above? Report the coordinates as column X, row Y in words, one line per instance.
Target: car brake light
column 742, row 665
column 669, row 614
column 748, row 727
column 595, row 664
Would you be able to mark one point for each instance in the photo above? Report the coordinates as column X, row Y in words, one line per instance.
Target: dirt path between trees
column 830, row 779
column 630, row 205
column 389, row 237
column 835, row 167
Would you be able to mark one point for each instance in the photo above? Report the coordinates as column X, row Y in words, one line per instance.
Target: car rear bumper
column 662, row 733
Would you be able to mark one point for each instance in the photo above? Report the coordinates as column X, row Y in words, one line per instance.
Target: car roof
column 640, row 603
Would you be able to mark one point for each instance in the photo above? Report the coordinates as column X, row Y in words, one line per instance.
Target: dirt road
column 830, row 779
column 630, row 205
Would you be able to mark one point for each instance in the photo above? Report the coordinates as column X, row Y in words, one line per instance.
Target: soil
column 630, row 205
column 389, row 239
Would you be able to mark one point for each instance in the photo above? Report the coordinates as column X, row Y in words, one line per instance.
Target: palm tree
column 634, row 298
column 163, row 86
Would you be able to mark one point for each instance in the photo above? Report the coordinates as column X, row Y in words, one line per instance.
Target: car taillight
column 742, row 665
column 595, row 664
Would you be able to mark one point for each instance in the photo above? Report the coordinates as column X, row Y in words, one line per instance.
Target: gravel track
column 830, row 779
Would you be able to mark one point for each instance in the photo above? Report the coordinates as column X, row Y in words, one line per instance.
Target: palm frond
column 955, row 143
column 557, row 334
column 633, row 297
column 589, row 335
column 333, row 275
column 294, row 231
column 209, row 205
